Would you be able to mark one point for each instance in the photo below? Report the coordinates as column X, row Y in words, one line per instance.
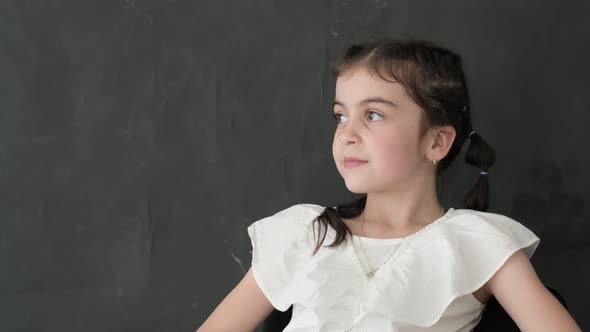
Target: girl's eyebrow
column 370, row 100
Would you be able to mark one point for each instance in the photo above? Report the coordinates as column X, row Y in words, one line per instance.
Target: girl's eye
column 338, row 116
column 379, row 115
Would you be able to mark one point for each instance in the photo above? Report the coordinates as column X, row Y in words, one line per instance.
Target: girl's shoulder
column 286, row 225
column 292, row 217
column 452, row 257
column 279, row 252
column 301, row 210
column 484, row 216
column 482, row 220
column 486, row 230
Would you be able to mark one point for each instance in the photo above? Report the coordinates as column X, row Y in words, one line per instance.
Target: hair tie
column 473, row 132
column 483, row 173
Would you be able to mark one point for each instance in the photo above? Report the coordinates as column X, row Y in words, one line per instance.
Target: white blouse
column 426, row 284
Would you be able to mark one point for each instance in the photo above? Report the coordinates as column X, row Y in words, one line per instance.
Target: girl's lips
column 353, row 163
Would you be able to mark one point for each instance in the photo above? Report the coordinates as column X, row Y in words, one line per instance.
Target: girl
column 395, row 259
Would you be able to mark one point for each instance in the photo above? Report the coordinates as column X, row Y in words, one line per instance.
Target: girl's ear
column 441, row 141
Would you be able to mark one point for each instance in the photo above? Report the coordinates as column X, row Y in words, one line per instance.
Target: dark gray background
column 139, row 139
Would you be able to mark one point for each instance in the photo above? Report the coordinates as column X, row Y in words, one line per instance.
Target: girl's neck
column 401, row 210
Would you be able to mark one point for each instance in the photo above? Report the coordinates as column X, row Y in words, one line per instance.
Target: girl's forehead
column 360, row 82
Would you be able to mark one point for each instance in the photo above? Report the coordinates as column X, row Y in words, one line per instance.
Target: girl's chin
column 357, row 191
column 355, row 187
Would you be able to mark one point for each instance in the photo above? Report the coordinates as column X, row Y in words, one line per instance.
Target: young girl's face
column 379, row 123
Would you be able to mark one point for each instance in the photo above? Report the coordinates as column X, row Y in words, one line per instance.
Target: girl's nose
column 348, row 134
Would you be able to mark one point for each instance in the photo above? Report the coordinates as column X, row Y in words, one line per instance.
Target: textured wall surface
column 139, row 139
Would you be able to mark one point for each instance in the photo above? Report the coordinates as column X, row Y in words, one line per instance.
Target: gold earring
column 433, row 160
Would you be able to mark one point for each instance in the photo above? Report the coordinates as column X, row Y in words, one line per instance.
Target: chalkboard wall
column 139, row 139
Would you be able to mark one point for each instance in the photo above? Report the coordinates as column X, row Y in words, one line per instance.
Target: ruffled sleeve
column 453, row 258
column 280, row 248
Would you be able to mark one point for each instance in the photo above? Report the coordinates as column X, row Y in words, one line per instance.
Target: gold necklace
column 372, row 271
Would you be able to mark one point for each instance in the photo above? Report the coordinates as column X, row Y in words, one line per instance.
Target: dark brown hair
column 433, row 77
